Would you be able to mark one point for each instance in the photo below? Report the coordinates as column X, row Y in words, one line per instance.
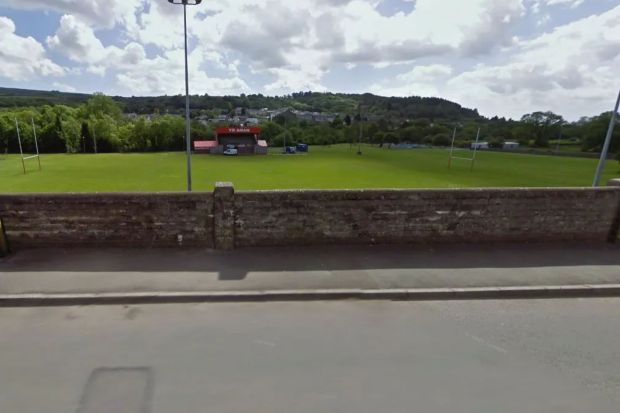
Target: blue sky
column 504, row 57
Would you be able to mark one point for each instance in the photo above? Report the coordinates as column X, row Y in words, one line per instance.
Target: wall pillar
column 4, row 242
column 614, row 233
column 224, row 216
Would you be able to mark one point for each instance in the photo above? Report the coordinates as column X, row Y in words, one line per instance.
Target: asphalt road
column 476, row 356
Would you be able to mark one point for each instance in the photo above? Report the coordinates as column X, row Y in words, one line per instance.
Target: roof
column 237, row 131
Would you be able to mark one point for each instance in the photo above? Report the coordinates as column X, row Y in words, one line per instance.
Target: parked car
column 231, row 150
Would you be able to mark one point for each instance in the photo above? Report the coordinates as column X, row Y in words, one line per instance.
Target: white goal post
column 471, row 159
column 36, row 145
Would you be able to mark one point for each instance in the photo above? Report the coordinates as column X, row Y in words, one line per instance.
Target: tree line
column 102, row 124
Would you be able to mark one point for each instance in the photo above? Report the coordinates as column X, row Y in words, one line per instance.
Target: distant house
column 324, row 117
column 480, row 145
column 511, row 145
column 285, row 113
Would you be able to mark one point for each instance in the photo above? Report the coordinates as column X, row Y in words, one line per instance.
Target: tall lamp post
column 188, row 141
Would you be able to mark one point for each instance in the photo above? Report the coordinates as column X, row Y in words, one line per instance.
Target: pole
column 19, row 139
column 285, row 133
column 95, row 139
column 187, row 124
column 36, row 145
column 359, row 139
column 473, row 160
column 452, row 148
column 610, row 133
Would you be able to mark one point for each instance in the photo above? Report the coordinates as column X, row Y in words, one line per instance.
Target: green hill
column 394, row 108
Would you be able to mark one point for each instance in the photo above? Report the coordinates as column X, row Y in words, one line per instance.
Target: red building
column 246, row 140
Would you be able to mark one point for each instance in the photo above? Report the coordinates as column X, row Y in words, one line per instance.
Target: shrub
column 441, row 139
column 496, row 144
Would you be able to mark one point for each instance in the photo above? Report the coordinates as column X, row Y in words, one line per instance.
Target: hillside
column 12, row 98
column 372, row 105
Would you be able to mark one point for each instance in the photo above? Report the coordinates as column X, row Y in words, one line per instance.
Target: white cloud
column 571, row 3
column 293, row 40
column 97, row 13
column 134, row 72
column 571, row 70
column 420, row 81
column 23, row 58
column 76, row 40
column 162, row 25
column 166, row 75
column 280, row 47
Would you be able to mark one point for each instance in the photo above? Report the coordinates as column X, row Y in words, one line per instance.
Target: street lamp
column 188, row 142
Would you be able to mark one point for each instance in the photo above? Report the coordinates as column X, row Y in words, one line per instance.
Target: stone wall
column 160, row 219
column 411, row 216
column 615, row 228
column 226, row 219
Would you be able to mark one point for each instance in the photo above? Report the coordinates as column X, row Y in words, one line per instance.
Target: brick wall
column 226, row 219
column 470, row 215
column 108, row 219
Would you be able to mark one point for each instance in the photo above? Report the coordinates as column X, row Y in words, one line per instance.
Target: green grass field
column 323, row 168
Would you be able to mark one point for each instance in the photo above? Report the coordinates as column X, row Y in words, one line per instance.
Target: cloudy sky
column 504, row 57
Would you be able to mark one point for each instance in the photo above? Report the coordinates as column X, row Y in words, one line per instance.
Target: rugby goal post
column 21, row 150
column 471, row 159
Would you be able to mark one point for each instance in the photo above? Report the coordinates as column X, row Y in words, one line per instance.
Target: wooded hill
column 392, row 108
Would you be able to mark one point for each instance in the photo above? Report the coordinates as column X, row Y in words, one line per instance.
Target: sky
column 503, row 57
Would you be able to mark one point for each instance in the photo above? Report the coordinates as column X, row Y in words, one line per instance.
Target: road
column 460, row 356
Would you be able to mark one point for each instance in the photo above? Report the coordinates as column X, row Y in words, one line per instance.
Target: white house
column 480, row 145
column 511, row 145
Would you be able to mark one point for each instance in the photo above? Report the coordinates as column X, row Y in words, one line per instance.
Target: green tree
column 88, row 144
column 100, row 105
column 594, row 131
column 71, row 129
column 5, row 133
column 543, row 126
column 441, row 139
column 269, row 130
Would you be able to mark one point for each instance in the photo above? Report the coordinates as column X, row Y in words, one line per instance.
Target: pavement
column 488, row 356
column 111, row 275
